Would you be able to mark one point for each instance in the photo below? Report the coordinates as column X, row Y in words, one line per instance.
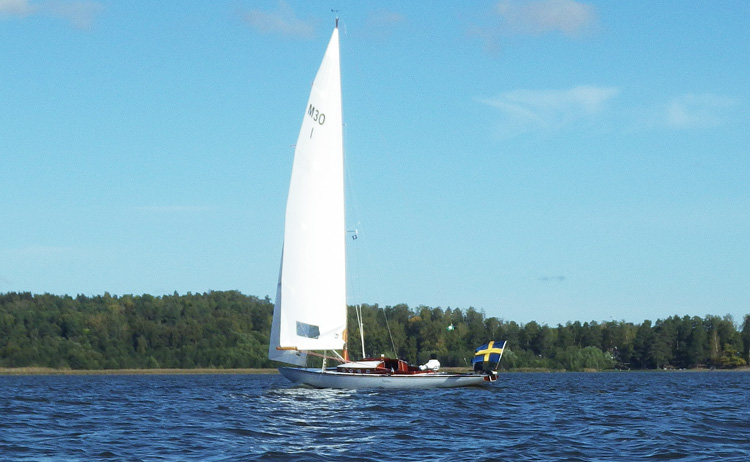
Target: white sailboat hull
column 332, row 379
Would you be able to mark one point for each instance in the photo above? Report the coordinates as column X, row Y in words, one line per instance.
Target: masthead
column 337, row 16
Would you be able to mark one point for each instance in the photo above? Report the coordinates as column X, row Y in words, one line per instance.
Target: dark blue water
column 586, row 417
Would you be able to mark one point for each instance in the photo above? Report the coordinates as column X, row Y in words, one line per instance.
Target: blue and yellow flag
column 487, row 357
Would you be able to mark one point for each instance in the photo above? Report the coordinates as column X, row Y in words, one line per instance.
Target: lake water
column 524, row 417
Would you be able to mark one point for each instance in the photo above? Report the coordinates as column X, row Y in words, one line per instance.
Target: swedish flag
column 487, row 357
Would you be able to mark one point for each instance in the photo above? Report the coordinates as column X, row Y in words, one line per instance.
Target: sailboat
column 310, row 310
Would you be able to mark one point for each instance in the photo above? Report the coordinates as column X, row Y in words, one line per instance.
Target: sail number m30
column 316, row 115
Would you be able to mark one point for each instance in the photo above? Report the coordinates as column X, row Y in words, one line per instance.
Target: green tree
column 642, row 345
column 746, row 338
column 731, row 357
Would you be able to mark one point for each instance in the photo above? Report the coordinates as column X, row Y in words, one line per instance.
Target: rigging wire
column 358, row 310
column 354, row 281
column 352, row 202
column 393, row 345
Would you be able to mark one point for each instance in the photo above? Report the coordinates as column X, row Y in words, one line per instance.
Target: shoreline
column 18, row 371
column 51, row 371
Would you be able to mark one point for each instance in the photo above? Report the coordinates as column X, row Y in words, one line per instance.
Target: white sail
column 310, row 308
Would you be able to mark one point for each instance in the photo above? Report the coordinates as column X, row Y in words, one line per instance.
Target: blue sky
column 543, row 160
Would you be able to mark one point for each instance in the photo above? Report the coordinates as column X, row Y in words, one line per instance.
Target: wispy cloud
column 533, row 18
column 697, row 111
column 383, row 18
column 549, row 110
column 16, row 8
column 282, row 21
column 541, row 17
column 551, row 279
column 80, row 13
column 380, row 24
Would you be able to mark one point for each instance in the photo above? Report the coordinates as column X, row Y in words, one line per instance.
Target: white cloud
column 697, row 111
column 80, row 13
column 528, row 110
column 283, row 21
column 533, row 18
column 544, row 16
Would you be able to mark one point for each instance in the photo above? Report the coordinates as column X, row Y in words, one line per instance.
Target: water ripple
column 602, row 417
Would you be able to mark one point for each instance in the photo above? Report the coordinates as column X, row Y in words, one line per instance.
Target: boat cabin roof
column 361, row 365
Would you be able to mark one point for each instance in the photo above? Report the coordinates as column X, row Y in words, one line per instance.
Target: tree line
column 227, row 329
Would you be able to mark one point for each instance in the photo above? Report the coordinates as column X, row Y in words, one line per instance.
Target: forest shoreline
column 229, row 331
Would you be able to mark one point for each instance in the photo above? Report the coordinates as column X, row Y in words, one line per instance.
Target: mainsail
column 310, row 308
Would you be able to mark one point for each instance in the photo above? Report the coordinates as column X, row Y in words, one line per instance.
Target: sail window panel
column 307, row 330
